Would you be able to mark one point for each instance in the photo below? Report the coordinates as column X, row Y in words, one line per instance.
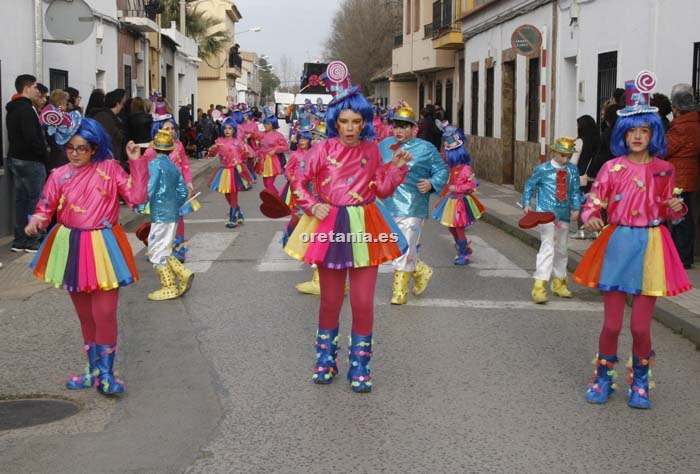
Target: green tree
column 268, row 80
column 204, row 30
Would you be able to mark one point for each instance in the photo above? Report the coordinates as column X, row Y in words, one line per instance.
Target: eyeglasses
column 80, row 149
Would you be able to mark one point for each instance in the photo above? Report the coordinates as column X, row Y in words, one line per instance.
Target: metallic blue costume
column 544, row 178
column 167, row 190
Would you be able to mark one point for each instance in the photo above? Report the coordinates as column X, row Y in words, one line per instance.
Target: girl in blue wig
column 87, row 252
column 179, row 157
column 458, row 208
column 232, row 175
column 348, row 175
column 271, row 158
column 634, row 253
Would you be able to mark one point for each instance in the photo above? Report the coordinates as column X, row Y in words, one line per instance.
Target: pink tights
column 269, row 183
column 458, row 233
column 362, row 283
column 98, row 315
column 640, row 325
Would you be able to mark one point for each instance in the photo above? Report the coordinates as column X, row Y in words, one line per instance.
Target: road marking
column 276, row 260
column 490, row 261
column 561, row 305
column 223, row 221
column 204, row 248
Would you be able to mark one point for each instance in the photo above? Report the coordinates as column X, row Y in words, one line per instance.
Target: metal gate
column 607, row 77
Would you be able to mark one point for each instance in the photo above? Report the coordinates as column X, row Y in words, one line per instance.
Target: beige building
column 428, row 58
column 217, row 75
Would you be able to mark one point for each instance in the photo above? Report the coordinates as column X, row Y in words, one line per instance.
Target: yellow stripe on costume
column 307, row 225
column 225, row 181
column 654, row 277
column 268, row 167
column 448, row 213
column 106, row 276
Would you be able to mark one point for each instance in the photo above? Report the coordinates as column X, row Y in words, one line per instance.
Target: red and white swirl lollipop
column 51, row 117
column 645, row 82
column 337, row 71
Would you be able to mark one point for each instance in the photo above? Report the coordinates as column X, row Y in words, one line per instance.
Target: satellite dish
column 69, row 20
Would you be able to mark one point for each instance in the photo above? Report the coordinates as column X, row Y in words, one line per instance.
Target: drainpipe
column 38, row 41
column 183, row 17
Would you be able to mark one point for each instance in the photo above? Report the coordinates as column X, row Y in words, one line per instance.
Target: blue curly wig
column 159, row 124
column 272, row 119
column 95, row 135
column 231, row 122
column 237, row 116
column 458, row 156
column 358, row 104
column 657, row 143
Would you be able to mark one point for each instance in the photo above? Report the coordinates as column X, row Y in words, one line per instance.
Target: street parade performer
column 273, row 145
column 634, row 254
column 410, row 203
column 87, row 253
column 167, row 192
column 458, row 208
column 179, row 157
column 557, row 184
column 232, row 175
column 348, row 176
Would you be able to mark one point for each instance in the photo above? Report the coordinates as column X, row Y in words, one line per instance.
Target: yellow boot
column 421, row 277
column 559, row 288
column 312, row 287
column 539, row 292
column 183, row 274
column 168, row 289
column 400, row 287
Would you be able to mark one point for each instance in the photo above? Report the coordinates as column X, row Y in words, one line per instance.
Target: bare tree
column 289, row 74
column 363, row 36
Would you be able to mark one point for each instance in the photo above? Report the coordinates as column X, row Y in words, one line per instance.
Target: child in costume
column 634, row 253
column 458, row 208
column 87, row 252
column 272, row 144
column 179, row 157
column 232, row 176
column 409, row 206
column 312, row 287
column 348, row 176
column 250, row 134
column 557, row 186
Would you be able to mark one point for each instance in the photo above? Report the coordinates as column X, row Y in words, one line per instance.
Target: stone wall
column 487, row 159
column 527, row 157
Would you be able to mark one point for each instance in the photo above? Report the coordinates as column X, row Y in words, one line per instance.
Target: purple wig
column 657, row 143
column 358, row 104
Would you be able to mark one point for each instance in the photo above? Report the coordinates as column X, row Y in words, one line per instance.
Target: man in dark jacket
column 26, row 157
column 110, row 121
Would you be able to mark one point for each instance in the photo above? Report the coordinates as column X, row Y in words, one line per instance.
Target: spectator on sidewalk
column 683, row 140
column 43, row 99
column 26, row 157
column 108, row 117
column 96, row 102
column 139, row 122
column 74, row 100
column 661, row 102
column 585, row 159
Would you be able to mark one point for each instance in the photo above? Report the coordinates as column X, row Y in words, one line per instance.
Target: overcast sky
column 297, row 29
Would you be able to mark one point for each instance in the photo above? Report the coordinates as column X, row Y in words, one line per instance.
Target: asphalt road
column 470, row 377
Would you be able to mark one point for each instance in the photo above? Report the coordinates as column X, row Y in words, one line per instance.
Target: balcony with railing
column 235, row 62
column 446, row 29
column 140, row 15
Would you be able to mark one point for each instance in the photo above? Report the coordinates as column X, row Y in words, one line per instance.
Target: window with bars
column 127, row 80
column 438, row 92
column 533, row 100
column 488, row 109
column 475, row 103
column 58, row 79
column 607, row 77
column 696, row 71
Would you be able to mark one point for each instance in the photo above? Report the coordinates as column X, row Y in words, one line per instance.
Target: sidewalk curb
column 669, row 314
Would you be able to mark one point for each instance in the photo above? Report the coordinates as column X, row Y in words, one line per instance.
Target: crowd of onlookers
column 683, row 151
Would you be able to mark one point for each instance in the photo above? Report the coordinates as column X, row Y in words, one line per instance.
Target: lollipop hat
column 450, row 137
column 338, row 78
column 637, row 95
column 61, row 125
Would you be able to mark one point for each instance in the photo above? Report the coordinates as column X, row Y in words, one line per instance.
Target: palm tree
column 204, row 30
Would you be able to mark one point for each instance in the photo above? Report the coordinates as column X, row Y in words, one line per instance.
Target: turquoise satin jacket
column 167, row 190
column 426, row 164
column 544, row 180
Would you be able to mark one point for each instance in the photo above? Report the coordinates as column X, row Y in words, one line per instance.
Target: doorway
column 508, row 121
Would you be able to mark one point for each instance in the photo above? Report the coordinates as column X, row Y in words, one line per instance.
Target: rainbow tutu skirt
column 85, row 260
column 230, row 180
column 636, row 260
column 362, row 236
column 461, row 211
column 287, row 196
